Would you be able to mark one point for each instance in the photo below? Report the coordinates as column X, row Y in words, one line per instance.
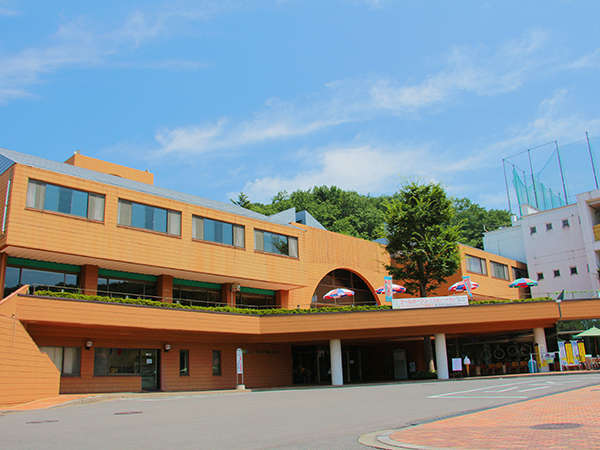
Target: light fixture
column 167, row 347
column 89, row 344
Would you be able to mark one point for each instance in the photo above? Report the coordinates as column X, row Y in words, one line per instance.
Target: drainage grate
column 556, row 426
column 43, row 421
column 122, row 413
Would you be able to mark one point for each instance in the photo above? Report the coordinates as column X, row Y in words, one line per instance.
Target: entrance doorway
column 149, row 369
column 400, row 369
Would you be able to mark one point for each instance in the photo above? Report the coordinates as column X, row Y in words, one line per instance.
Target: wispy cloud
column 465, row 70
column 79, row 43
column 590, row 60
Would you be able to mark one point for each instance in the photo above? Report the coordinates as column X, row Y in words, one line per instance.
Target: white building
column 561, row 247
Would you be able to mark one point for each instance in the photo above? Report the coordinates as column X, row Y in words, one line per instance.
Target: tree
column 473, row 220
column 242, row 200
column 423, row 243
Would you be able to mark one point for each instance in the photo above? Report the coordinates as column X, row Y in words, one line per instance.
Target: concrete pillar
column 164, row 288
column 282, row 299
column 88, row 279
column 3, row 259
column 227, row 294
column 441, row 357
column 335, row 354
column 539, row 338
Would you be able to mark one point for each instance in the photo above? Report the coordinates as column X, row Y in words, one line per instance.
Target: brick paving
column 43, row 403
column 530, row 424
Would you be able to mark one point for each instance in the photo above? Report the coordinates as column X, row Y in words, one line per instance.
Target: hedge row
column 255, row 312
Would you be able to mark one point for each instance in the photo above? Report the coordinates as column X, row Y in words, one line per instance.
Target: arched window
column 341, row 278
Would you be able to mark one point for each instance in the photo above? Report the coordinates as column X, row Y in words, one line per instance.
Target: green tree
column 242, row 200
column 423, row 243
column 473, row 220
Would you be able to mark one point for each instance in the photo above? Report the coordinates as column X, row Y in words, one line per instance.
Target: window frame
column 184, row 371
column 262, row 250
column 573, row 270
column 549, row 226
column 168, row 213
column 532, row 230
column 556, row 273
column 108, row 373
column 482, row 263
column 234, row 226
column 540, row 276
column 42, row 208
column 217, row 365
column 566, row 223
column 506, row 276
column 62, row 357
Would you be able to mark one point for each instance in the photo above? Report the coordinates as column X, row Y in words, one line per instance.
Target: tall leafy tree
column 474, row 220
column 423, row 243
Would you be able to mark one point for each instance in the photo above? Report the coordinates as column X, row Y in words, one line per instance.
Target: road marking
column 535, row 388
column 448, row 394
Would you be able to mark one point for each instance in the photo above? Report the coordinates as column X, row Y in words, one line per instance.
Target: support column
column 539, row 338
column 441, row 357
column 88, row 279
column 282, row 299
column 164, row 288
column 335, row 354
column 228, row 295
column 3, row 259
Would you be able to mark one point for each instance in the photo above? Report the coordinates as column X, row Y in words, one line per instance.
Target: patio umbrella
column 338, row 293
column 589, row 333
column 396, row 289
column 460, row 286
column 523, row 282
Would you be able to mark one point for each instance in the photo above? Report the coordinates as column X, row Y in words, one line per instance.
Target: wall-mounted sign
column 239, row 358
column 430, row 302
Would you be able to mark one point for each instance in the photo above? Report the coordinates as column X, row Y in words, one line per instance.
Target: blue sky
column 220, row 97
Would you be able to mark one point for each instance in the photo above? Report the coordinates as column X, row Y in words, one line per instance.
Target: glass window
column 121, row 288
column 66, row 359
column 197, row 296
column 476, row 265
column 499, row 270
column 565, row 223
column 149, row 217
column 532, row 230
column 540, row 276
column 184, row 362
column 548, row 226
column 217, row 231
column 216, row 362
column 573, row 270
column 116, row 361
column 556, row 273
column 51, row 197
column 249, row 300
column 38, row 279
column 278, row 244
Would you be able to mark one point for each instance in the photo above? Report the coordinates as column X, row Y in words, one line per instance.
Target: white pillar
column 335, row 354
column 441, row 357
column 539, row 337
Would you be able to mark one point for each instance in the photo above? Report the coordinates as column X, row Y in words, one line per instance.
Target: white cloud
column 590, row 60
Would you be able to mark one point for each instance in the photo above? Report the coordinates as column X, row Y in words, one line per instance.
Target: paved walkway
column 566, row 420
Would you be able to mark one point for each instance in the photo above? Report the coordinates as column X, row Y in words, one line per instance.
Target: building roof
column 9, row 157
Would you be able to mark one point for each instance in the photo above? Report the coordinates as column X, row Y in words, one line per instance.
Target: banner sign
column 562, row 353
column 456, row 365
column 581, row 346
column 569, row 350
column 430, row 302
column 467, row 282
column 387, row 287
column 239, row 358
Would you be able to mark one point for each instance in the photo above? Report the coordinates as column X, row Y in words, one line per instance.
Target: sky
column 221, row 97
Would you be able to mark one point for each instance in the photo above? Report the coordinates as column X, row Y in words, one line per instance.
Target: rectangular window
column 278, row 244
column 476, row 265
column 548, row 226
column 15, row 277
column 50, row 197
column 540, row 276
column 184, row 363
column 532, row 230
column 116, row 361
column 216, row 231
column 556, row 273
column 216, row 362
column 121, row 288
column 148, row 217
column 573, row 270
column 66, row 359
column 565, row 223
column 197, row 296
column 499, row 270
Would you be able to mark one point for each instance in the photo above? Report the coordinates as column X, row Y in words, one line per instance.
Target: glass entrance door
column 149, row 369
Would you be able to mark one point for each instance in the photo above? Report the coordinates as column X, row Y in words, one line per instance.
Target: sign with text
column 387, row 287
column 430, row 302
column 456, row 365
column 239, row 358
column 468, row 286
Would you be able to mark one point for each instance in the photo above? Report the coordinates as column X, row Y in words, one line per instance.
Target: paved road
column 330, row 418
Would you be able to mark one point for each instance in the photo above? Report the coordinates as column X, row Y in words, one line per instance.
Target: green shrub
column 423, row 375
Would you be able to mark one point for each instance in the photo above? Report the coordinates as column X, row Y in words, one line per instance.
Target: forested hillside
column 363, row 216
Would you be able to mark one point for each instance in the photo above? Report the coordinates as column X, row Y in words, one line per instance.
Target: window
column 532, row 230
column 217, row 231
column 278, row 244
column 556, row 273
column 148, row 217
column 476, row 265
column 573, row 270
column 120, row 287
column 197, row 296
column 66, row 359
column 548, row 227
column 116, row 361
column 499, row 270
column 15, row 277
column 216, row 362
column 50, row 197
column 565, row 223
column 255, row 300
column 184, row 363
column 540, row 276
